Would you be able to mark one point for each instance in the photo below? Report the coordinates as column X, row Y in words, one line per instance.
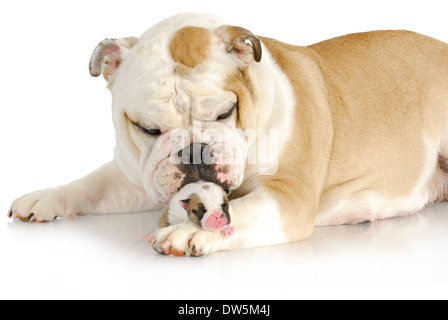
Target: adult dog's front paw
column 187, row 239
column 45, row 205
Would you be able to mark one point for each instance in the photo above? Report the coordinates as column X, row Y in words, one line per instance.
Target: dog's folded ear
column 241, row 42
column 108, row 55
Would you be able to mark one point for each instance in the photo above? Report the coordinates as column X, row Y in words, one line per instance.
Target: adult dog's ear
column 108, row 55
column 241, row 42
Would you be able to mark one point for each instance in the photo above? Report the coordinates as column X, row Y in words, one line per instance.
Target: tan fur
column 300, row 178
column 194, row 204
column 228, row 34
column 239, row 83
column 299, row 181
column 234, row 38
column 384, row 131
column 163, row 222
column 366, row 139
column 365, row 101
column 190, row 46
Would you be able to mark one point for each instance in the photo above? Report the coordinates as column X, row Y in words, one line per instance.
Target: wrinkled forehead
column 184, row 64
column 185, row 47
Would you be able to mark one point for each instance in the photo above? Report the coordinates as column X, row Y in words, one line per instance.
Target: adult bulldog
column 361, row 122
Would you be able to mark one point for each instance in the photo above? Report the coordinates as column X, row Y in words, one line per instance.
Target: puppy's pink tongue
column 216, row 221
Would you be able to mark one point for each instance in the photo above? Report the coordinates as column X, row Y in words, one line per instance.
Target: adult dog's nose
column 196, row 153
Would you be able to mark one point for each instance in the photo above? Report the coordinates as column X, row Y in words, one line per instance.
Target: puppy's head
column 208, row 206
column 180, row 93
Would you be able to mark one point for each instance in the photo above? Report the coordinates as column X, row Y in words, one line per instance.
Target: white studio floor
column 105, row 257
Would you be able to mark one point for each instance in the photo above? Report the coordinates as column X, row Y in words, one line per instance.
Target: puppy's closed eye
column 200, row 211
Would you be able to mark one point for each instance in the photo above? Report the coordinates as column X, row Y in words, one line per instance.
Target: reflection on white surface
column 106, row 257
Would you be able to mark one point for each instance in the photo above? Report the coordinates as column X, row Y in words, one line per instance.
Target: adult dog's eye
column 228, row 113
column 150, row 132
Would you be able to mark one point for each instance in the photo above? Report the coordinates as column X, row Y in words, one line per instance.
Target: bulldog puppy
column 348, row 130
column 204, row 204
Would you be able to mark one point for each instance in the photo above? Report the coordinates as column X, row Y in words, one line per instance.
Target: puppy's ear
column 241, row 42
column 184, row 203
column 108, row 55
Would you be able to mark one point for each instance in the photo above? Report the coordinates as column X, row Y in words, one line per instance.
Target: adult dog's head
column 180, row 93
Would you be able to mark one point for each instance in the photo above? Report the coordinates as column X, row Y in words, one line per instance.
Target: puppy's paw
column 227, row 232
column 43, row 206
column 186, row 239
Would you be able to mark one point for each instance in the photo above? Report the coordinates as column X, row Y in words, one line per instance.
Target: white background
column 55, row 126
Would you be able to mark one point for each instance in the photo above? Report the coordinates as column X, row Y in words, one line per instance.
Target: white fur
column 212, row 197
column 258, row 225
column 145, row 88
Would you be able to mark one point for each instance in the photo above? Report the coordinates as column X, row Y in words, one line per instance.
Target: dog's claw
column 194, row 252
column 157, row 248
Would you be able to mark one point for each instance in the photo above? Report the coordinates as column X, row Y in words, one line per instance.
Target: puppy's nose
column 216, row 221
column 196, row 153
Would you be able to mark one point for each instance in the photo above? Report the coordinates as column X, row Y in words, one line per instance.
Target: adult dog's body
column 361, row 122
